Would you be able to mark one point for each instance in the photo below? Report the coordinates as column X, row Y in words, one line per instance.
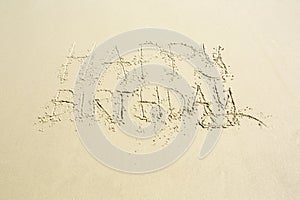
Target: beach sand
column 262, row 43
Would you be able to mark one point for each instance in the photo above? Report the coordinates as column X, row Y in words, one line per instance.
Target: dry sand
column 262, row 42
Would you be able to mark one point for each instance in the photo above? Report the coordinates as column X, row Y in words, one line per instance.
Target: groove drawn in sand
column 60, row 107
column 66, row 103
column 153, row 111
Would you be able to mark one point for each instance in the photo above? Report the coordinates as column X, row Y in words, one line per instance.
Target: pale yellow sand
column 262, row 45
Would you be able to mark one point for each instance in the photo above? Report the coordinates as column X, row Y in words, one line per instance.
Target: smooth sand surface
column 262, row 46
